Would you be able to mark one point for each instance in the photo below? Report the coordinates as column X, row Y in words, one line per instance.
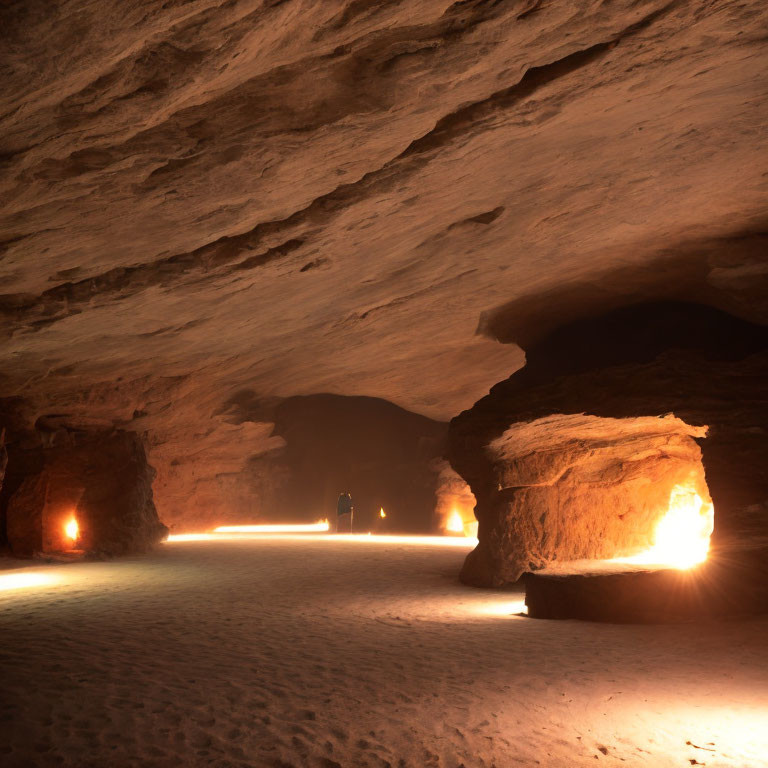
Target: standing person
column 344, row 513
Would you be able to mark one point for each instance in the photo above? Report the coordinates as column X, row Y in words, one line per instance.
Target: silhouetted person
column 344, row 512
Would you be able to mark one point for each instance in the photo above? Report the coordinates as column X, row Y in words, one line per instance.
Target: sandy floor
column 291, row 653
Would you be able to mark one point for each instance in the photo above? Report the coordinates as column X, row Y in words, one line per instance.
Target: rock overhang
column 208, row 198
column 576, row 455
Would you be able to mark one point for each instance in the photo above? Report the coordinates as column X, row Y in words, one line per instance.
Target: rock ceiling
column 357, row 196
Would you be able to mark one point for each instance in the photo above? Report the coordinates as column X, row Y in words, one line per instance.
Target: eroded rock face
column 101, row 479
column 3, row 459
column 326, row 197
column 454, row 496
column 572, row 456
column 576, row 486
column 290, row 198
column 318, row 446
column 264, row 461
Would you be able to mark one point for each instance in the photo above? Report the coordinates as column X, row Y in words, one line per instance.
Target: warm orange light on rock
column 72, row 529
column 681, row 539
column 454, row 523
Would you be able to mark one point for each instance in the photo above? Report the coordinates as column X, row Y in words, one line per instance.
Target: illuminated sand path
column 295, row 651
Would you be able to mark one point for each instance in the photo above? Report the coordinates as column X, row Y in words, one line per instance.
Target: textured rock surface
column 553, row 484
column 302, row 197
column 315, row 447
column 578, row 486
column 100, row 478
column 454, row 495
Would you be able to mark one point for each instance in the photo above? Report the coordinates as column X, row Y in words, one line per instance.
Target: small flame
column 72, row 529
column 682, row 536
column 382, row 513
column 454, row 524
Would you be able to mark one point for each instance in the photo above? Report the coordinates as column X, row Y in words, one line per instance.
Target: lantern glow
column 454, row 524
column 72, row 529
column 681, row 539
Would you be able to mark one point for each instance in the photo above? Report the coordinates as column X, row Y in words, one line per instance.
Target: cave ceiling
column 360, row 197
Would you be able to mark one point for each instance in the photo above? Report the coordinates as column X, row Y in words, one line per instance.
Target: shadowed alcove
column 613, row 422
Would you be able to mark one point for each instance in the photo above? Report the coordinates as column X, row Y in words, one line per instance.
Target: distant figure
column 344, row 513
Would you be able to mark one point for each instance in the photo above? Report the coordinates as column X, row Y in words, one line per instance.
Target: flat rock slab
column 730, row 583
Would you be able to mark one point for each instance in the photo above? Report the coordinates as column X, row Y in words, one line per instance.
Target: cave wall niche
column 575, row 455
column 99, row 478
column 455, row 503
column 575, row 486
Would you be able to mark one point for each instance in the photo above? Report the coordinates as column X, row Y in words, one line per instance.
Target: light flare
column 504, row 609
column 407, row 540
column 454, row 523
column 24, row 580
column 72, row 529
column 382, row 513
column 319, row 526
column 681, row 539
column 460, row 522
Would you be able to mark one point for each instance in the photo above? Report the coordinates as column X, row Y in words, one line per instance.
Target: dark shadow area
column 727, row 273
column 382, row 454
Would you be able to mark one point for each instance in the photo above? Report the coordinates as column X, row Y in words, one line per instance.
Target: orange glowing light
column 681, row 539
column 24, row 579
column 505, row 609
column 382, row 513
column 454, row 524
column 72, row 529
column 319, row 526
column 429, row 541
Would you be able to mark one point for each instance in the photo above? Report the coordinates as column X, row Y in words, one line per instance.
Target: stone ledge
column 730, row 583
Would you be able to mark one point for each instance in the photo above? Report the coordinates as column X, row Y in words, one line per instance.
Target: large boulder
column 574, row 456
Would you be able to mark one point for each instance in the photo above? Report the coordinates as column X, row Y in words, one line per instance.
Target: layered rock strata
column 572, row 457
column 199, row 198
column 203, row 197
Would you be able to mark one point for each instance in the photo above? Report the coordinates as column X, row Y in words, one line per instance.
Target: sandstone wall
column 101, row 478
column 553, row 483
